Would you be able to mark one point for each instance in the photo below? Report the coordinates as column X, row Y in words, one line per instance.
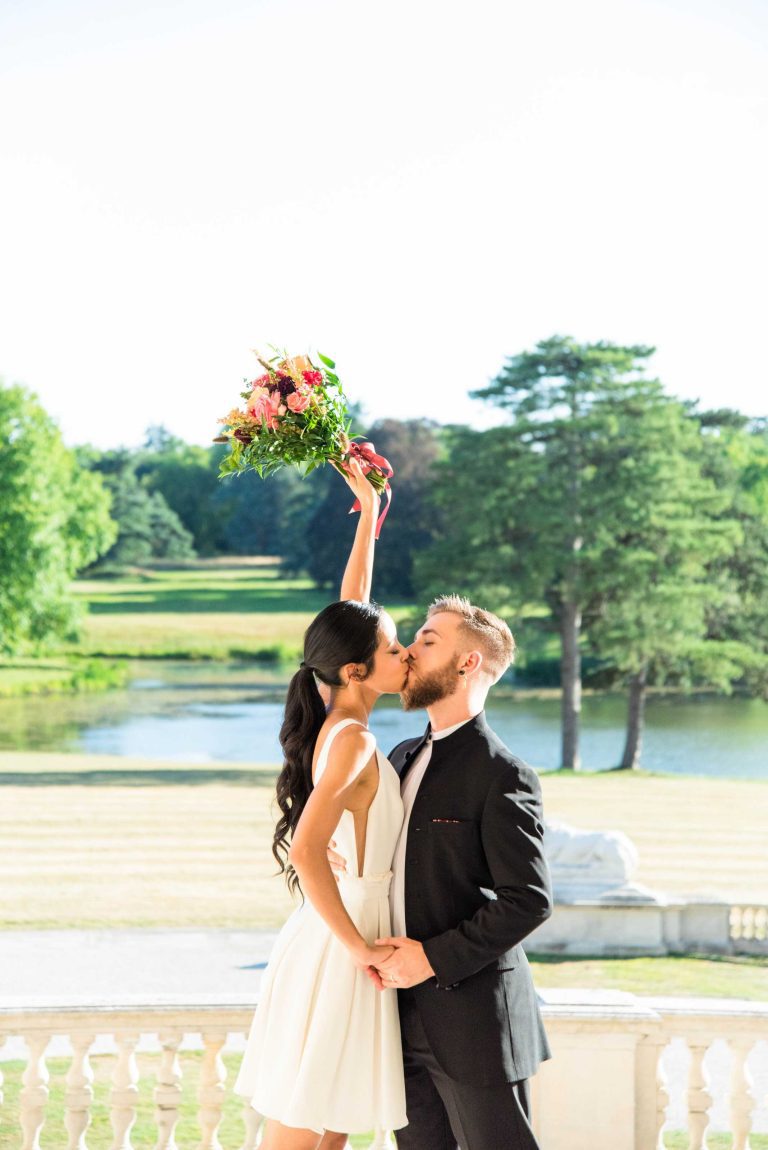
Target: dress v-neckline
column 347, row 811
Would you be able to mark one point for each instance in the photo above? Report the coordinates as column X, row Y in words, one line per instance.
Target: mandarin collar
column 468, row 732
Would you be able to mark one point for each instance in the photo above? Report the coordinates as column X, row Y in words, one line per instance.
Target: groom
column 470, row 882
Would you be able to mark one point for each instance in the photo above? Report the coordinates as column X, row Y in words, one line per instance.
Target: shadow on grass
column 191, row 601
column 755, row 960
column 153, row 777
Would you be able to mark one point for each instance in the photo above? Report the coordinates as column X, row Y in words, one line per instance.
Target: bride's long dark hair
column 345, row 632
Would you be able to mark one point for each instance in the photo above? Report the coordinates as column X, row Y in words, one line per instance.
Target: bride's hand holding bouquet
column 365, row 492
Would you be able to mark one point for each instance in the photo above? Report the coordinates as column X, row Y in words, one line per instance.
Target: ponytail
column 304, row 716
column 345, row 632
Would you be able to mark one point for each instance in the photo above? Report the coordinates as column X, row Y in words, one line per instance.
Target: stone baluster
column 646, row 1092
column 382, row 1140
column 662, row 1100
column 253, row 1121
column 741, row 1094
column 124, row 1093
column 699, row 1098
column 167, row 1092
column 761, row 923
column 211, row 1091
column 79, row 1092
column 34, row 1093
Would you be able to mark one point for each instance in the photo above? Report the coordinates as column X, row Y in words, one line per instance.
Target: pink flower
column 259, row 402
column 312, row 378
column 269, row 409
column 298, row 401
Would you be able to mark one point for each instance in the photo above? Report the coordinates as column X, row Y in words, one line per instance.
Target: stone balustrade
column 616, row 1075
column 749, row 929
column 655, row 925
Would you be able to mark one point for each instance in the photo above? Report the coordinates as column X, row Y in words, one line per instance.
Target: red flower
column 313, row 378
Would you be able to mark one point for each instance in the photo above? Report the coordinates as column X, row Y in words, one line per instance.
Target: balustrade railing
column 625, row 1072
column 727, row 1089
column 749, row 929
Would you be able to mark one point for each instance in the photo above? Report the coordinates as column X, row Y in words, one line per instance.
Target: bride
column 324, row 1056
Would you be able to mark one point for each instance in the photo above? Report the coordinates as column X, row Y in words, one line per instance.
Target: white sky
column 418, row 189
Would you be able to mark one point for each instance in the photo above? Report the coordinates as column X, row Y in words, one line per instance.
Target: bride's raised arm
column 358, row 574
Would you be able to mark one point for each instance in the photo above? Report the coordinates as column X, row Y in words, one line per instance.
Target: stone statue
column 592, row 864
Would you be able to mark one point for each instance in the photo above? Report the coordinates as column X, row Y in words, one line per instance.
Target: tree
column 255, row 513
column 187, row 478
column 412, row 448
column 147, row 527
column 652, row 627
column 554, row 504
column 553, row 395
column 244, row 515
column 736, row 459
column 54, row 520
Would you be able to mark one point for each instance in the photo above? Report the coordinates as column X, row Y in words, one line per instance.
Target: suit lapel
column 411, row 756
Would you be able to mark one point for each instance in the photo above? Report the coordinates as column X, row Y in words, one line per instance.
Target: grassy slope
column 205, row 610
column 58, row 676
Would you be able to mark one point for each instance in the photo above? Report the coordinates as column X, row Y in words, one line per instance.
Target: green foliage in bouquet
column 294, row 413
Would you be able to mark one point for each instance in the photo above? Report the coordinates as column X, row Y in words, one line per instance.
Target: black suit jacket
column 476, row 883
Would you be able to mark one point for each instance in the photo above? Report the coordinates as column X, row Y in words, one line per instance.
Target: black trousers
column 444, row 1114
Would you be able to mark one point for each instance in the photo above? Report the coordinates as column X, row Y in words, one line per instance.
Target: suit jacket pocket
column 510, row 960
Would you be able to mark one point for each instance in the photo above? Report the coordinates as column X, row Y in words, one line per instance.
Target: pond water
column 202, row 713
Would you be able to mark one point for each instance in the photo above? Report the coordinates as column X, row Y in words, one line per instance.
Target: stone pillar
column 588, row 1094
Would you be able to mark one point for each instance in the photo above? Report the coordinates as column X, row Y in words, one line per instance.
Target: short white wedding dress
column 324, row 1049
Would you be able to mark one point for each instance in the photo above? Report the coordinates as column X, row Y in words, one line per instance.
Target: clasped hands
column 391, row 963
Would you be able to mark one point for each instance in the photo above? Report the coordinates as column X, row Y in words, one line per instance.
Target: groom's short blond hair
column 487, row 631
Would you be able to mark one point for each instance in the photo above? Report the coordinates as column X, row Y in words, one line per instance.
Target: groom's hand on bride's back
column 337, row 862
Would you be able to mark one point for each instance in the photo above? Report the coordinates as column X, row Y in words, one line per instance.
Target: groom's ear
column 471, row 662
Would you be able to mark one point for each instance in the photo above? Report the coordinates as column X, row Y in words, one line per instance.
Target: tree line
column 622, row 532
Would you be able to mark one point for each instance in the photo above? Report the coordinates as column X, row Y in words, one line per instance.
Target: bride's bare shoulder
column 353, row 735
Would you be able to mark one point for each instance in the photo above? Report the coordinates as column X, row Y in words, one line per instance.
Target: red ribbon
column 365, row 454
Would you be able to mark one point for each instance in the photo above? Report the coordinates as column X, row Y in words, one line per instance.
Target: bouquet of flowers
column 296, row 413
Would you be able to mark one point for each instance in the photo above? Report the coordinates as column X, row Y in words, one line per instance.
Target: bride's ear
column 352, row 673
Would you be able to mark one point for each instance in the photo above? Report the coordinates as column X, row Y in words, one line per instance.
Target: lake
column 201, row 713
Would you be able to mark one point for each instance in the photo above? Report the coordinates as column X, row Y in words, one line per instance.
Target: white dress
column 324, row 1049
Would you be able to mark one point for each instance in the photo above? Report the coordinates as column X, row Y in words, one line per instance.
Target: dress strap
column 322, row 758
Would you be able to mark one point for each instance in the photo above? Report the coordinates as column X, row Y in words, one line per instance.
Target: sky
column 418, row 189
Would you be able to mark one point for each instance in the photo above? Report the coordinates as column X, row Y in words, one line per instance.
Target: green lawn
column 57, row 676
column 205, row 609
column 209, row 609
column 215, row 609
column 715, row 976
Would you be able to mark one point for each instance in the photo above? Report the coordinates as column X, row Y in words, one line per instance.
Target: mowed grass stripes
column 143, row 852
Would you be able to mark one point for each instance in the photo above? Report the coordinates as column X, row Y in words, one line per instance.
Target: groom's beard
column 423, row 690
